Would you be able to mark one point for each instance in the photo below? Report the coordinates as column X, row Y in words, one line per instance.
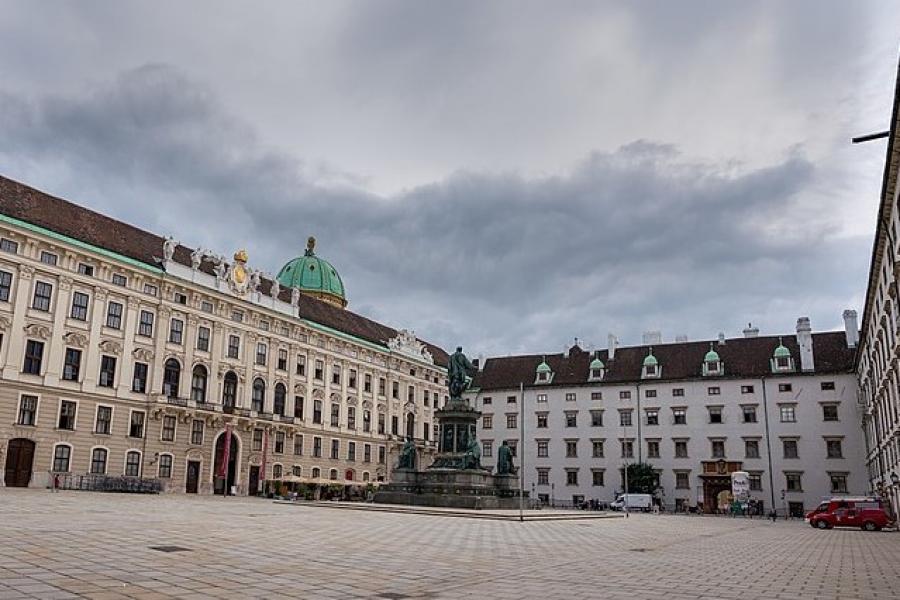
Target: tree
column 642, row 479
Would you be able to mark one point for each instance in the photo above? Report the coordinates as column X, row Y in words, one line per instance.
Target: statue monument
column 456, row 478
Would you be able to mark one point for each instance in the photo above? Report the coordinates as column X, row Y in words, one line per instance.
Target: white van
column 634, row 501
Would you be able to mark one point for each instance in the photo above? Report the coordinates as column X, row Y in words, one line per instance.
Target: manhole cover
column 170, row 548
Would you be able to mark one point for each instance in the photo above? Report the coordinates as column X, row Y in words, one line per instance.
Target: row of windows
column 258, row 441
column 99, row 460
column 83, row 268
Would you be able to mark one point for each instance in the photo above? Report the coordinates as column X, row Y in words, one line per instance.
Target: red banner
column 226, row 454
column 262, row 464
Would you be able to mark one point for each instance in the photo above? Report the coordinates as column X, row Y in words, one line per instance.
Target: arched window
column 198, row 384
column 365, row 475
column 229, row 389
column 280, row 396
column 277, row 471
column 171, row 375
column 332, row 475
column 98, row 461
column 258, row 400
column 316, row 472
column 133, row 463
column 62, row 455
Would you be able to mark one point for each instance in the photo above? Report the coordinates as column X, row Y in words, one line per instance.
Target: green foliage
column 642, row 479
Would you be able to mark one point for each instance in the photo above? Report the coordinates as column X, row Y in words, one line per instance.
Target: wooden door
column 19, row 462
column 193, row 476
column 254, row 481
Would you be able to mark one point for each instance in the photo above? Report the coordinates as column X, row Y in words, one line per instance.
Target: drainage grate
column 638, row 549
column 170, row 548
column 393, row 596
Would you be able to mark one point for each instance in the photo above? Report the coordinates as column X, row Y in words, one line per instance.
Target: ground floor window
column 165, row 466
column 133, row 463
column 61, row 456
column 98, row 461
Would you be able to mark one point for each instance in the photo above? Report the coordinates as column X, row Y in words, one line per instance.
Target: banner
column 226, row 453
column 740, row 486
column 262, row 463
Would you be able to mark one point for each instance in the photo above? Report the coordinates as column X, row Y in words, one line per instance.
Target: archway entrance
column 223, row 486
column 19, row 462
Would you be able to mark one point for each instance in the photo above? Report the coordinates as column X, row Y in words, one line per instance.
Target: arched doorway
column 411, row 425
column 223, row 486
column 19, row 462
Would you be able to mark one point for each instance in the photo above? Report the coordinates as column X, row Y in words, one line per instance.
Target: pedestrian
column 56, row 482
column 773, row 515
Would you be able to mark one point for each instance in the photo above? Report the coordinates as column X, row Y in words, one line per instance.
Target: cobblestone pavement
column 99, row 546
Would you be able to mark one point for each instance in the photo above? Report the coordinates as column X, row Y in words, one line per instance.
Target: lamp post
column 895, row 485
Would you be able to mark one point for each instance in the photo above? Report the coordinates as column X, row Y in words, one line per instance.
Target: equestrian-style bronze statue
column 457, row 372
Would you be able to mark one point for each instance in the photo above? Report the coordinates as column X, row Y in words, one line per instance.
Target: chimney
column 804, row 339
column 751, row 331
column 851, row 327
column 721, row 338
column 479, row 362
column 566, row 351
column 652, row 337
column 680, row 339
column 612, row 342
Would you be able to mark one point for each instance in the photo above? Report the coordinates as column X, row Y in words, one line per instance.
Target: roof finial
column 310, row 246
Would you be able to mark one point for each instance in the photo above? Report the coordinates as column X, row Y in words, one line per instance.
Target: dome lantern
column 314, row 276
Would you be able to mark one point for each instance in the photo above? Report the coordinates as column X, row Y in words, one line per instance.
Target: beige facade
column 117, row 367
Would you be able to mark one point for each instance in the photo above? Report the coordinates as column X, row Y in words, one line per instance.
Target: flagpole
column 521, row 452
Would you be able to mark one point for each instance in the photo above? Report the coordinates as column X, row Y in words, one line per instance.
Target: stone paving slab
column 77, row 544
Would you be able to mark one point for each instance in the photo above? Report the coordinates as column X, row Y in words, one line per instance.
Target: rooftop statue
column 457, row 371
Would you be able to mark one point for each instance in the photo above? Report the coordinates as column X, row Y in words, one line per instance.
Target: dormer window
column 651, row 368
column 781, row 359
column 712, row 365
column 543, row 373
column 596, row 370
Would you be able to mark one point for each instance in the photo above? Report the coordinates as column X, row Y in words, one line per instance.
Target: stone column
column 159, row 353
column 15, row 353
column 216, row 353
column 54, row 354
column 129, row 326
column 189, row 341
column 92, row 361
column 245, row 399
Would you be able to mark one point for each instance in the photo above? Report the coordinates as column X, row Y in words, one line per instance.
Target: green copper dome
column 711, row 356
column 650, row 360
column 781, row 351
column 597, row 364
column 543, row 367
column 313, row 275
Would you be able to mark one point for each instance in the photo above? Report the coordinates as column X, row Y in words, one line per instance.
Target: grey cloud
column 626, row 240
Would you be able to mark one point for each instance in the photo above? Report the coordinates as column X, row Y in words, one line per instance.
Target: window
column 826, row 386
column 9, row 246
column 541, row 398
column 367, row 452
column 650, row 394
column 85, row 269
column 203, row 339
column 61, row 455
column 282, row 360
column 301, row 365
column 677, row 392
column 234, row 346
column 198, row 384
column 71, row 364
column 351, row 383
column 298, row 407
column 382, row 455
column 298, row 445
column 596, row 418
column 279, row 442
column 165, row 466
column 679, row 416
column 793, row 482
column 596, row 477
column 258, row 395
column 133, row 463
column 625, row 418
column 713, row 391
column 838, row 483
column 316, row 472
column 833, row 449
column 487, row 422
column 543, row 476
column 381, row 386
column 597, row 448
column 48, row 258
column 351, row 451
column 150, row 289
column 119, row 280
column 487, row 448
column 790, row 448
column 681, row 449
column 395, row 425
column 206, row 306
column 67, row 410
column 168, row 428
column 197, row 426
column 718, row 449
column 511, row 422
column 351, row 417
column 571, row 418
column 336, row 375
column 317, row 412
column 570, row 397
column 139, row 380
column 257, row 440
column 145, row 325
column 136, row 424
column 627, row 448
column 107, row 371
column 652, row 417
column 381, row 418
column 319, row 373
column 787, row 413
column 42, row 294
column 261, row 351
column 751, row 448
column 715, row 414
column 625, row 395
column 27, row 410
column 596, row 395
column 114, row 315
column 367, row 384
column 179, row 298
column 543, row 450
column 171, row 375
column 98, row 461
column 237, row 316
column 652, row 448
column 297, row 471
column 682, row 480
column 756, row 482
column 829, row 412
column 785, row 387
column 571, row 476
column 80, row 302
column 335, row 414
column 104, row 420
column 5, row 285
column 746, row 389
column 279, row 399
column 571, row 448
column 541, row 420
column 335, row 449
column 749, row 413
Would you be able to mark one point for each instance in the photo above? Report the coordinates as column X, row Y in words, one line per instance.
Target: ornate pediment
column 410, row 406
column 37, row 330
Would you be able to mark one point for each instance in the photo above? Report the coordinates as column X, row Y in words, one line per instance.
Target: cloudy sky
column 502, row 175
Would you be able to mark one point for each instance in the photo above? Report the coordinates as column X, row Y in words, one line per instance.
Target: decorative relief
column 65, row 283
column 26, row 272
column 142, row 354
column 100, row 293
column 111, row 346
column 36, row 330
column 299, row 388
column 5, row 322
column 73, row 338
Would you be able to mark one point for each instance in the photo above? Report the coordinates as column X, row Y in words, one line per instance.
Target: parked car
column 634, row 501
column 865, row 513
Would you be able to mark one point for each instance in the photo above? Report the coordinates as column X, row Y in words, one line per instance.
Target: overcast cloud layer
column 506, row 176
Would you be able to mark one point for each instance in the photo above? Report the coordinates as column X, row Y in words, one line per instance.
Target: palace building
column 781, row 408
column 130, row 355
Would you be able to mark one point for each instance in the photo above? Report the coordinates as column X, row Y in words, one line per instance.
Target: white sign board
column 740, row 486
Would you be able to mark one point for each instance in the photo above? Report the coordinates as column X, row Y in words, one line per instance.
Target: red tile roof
column 742, row 358
column 65, row 218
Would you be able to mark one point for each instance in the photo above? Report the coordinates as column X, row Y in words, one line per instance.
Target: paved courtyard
column 99, row 546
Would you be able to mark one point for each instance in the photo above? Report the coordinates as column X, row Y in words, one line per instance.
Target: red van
column 865, row 513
